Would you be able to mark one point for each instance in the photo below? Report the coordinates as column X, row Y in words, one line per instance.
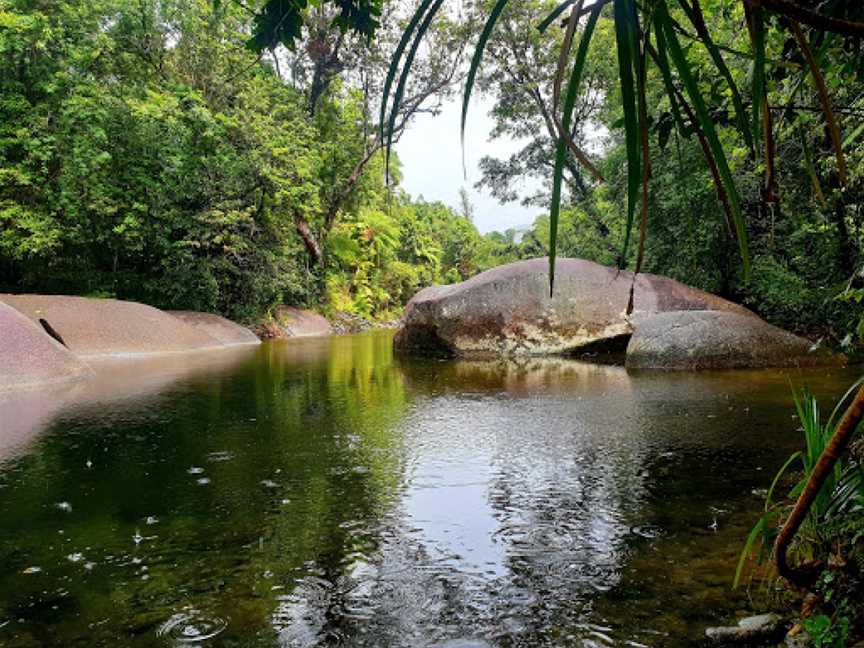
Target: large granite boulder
column 507, row 310
column 718, row 340
column 223, row 330
column 297, row 322
column 109, row 327
column 29, row 357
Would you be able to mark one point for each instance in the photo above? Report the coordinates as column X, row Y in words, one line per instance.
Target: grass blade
column 625, row 38
column 707, row 125
column 759, row 528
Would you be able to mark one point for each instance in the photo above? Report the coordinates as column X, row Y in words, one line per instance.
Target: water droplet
column 191, row 626
column 75, row 557
column 195, row 470
column 203, row 481
column 269, row 483
column 32, row 570
column 151, row 520
column 89, row 464
column 137, row 538
column 64, row 506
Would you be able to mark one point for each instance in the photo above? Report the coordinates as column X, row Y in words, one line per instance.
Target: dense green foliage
column 145, row 153
column 806, row 238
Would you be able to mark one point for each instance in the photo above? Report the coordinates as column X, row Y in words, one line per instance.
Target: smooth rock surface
column 109, row 327
column 297, row 322
column 507, row 310
column 223, row 330
column 718, row 340
column 29, row 357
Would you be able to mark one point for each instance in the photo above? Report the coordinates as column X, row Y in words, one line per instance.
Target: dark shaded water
column 323, row 493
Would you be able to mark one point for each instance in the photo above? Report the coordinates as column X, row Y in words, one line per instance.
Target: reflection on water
column 322, row 493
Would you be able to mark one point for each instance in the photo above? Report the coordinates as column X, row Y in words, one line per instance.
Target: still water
column 324, row 493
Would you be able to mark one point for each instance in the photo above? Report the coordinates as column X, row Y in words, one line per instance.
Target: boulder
column 718, row 340
column 29, row 357
column 507, row 310
column 223, row 330
column 109, row 327
column 297, row 322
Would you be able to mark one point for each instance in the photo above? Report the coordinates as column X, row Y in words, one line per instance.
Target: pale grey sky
column 431, row 158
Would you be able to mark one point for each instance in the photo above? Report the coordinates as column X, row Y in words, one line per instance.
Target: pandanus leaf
column 757, row 37
column 626, row 28
column 561, row 145
column 477, row 58
column 403, row 78
column 824, row 99
column 682, row 66
column 397, row 58
column 557, row 11
column 697, row 19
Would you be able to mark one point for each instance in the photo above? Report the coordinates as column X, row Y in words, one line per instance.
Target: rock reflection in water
column 356, row 500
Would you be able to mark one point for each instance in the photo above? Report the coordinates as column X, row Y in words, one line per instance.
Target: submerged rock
column 752, row 630
column 223, row 330
column 297, row 322
column 29, row 357
column 718, row 340
column 507, row 310
column 109, row 327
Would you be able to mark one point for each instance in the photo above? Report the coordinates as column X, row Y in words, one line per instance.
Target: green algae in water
column 324, row 493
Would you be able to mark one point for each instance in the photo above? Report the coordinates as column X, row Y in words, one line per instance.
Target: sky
column 431, row 159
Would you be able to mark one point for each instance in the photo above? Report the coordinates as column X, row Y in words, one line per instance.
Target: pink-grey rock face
column 29, row 357
column 223, row 330
column 109, row 327
column 297, row 322
column 718, row 340
column 507, row 310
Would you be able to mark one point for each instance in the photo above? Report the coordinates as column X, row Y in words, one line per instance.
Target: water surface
column 324, row 493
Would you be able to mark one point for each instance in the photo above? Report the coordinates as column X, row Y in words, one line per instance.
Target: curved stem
column 797, row 575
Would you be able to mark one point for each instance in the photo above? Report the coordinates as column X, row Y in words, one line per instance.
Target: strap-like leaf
column 557, row 11
column 757, row 36
column 707, row 125
column 824, row 99
column 477, row 58
column 625, row 37
column 397, row 58
column 561, row 146
column 697, row 19
column 403, row 78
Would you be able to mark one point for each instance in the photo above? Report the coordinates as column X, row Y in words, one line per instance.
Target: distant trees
column 146, row 153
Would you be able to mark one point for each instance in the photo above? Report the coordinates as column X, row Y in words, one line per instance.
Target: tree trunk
column 313, row 247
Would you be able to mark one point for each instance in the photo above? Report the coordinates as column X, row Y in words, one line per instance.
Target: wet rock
column 110, row 327
column 297, row 322
column 223, row 330
column 798, row 640
column 718, row 340
column 29, row 357
column 752, row 630
column 507, row 310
